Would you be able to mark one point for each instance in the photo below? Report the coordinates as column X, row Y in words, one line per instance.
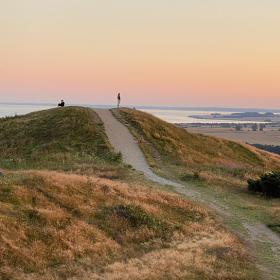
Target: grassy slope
column 219, row 167
column 58, row 226
column 187, row 154
column 70, row 138
column 55, row 225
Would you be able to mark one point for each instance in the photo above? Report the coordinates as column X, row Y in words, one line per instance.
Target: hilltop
column 69, row 139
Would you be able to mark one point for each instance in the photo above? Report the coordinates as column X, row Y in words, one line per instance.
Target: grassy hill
column 194, row 156
column 61, row 226
column 218, row 168
column 75, row 223
column 68, row 138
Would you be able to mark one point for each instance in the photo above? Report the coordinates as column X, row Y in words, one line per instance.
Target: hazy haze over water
column 172, row 115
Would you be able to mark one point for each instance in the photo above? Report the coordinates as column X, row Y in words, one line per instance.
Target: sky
column 154, row 52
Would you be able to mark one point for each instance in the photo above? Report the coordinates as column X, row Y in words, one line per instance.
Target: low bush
column 268, row 184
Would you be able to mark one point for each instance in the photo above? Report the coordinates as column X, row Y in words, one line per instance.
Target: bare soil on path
column 264, row 241
column 122, row 141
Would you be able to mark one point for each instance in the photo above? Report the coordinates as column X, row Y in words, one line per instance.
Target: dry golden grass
column 275, row 210
column 185, row 154
column 221, row 166
column 62, row 226
column 270, row 136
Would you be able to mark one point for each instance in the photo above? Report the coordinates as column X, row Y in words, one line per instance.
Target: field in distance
column 267, row 137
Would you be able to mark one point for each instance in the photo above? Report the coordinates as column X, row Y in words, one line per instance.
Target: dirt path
column 265, row 242
column 123, row 142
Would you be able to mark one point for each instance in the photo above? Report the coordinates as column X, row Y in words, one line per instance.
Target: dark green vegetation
column 275, row 227
column 62, row 138
column 268, row 184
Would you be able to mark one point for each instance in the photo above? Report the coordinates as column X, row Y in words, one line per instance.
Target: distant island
column 244, row 115
column 236, row 115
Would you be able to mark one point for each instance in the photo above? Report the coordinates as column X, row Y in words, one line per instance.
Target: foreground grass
column 57, row 226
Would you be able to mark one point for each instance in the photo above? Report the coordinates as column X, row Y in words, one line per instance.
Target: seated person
column 61, row 104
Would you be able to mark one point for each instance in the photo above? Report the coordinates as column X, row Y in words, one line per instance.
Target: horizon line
column 145, row 106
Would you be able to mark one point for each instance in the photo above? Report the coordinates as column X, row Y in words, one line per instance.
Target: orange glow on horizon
column 192, row 54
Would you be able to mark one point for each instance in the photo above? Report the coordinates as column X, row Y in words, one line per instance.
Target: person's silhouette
column 61, row 104
column 119, row 100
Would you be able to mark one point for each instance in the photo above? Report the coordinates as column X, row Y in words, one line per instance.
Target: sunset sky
column 155, row 52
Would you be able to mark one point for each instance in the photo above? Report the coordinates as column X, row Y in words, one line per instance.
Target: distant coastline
column 175, row 115
column 155, row 107
column 240, row 115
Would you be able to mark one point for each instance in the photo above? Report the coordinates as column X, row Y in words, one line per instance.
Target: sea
column 169, row 114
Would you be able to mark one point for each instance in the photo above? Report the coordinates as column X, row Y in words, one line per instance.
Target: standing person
column 119, row 100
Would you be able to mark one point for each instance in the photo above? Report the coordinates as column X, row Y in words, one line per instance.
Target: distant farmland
column 266, row 137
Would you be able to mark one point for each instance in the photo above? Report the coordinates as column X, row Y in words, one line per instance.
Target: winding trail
column 265, row 242
column 122, row 141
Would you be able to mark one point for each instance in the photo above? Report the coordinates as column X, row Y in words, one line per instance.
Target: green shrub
column 254, row 185
column 268, row 184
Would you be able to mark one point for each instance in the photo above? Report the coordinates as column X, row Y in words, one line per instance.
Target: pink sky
column 186, row 53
